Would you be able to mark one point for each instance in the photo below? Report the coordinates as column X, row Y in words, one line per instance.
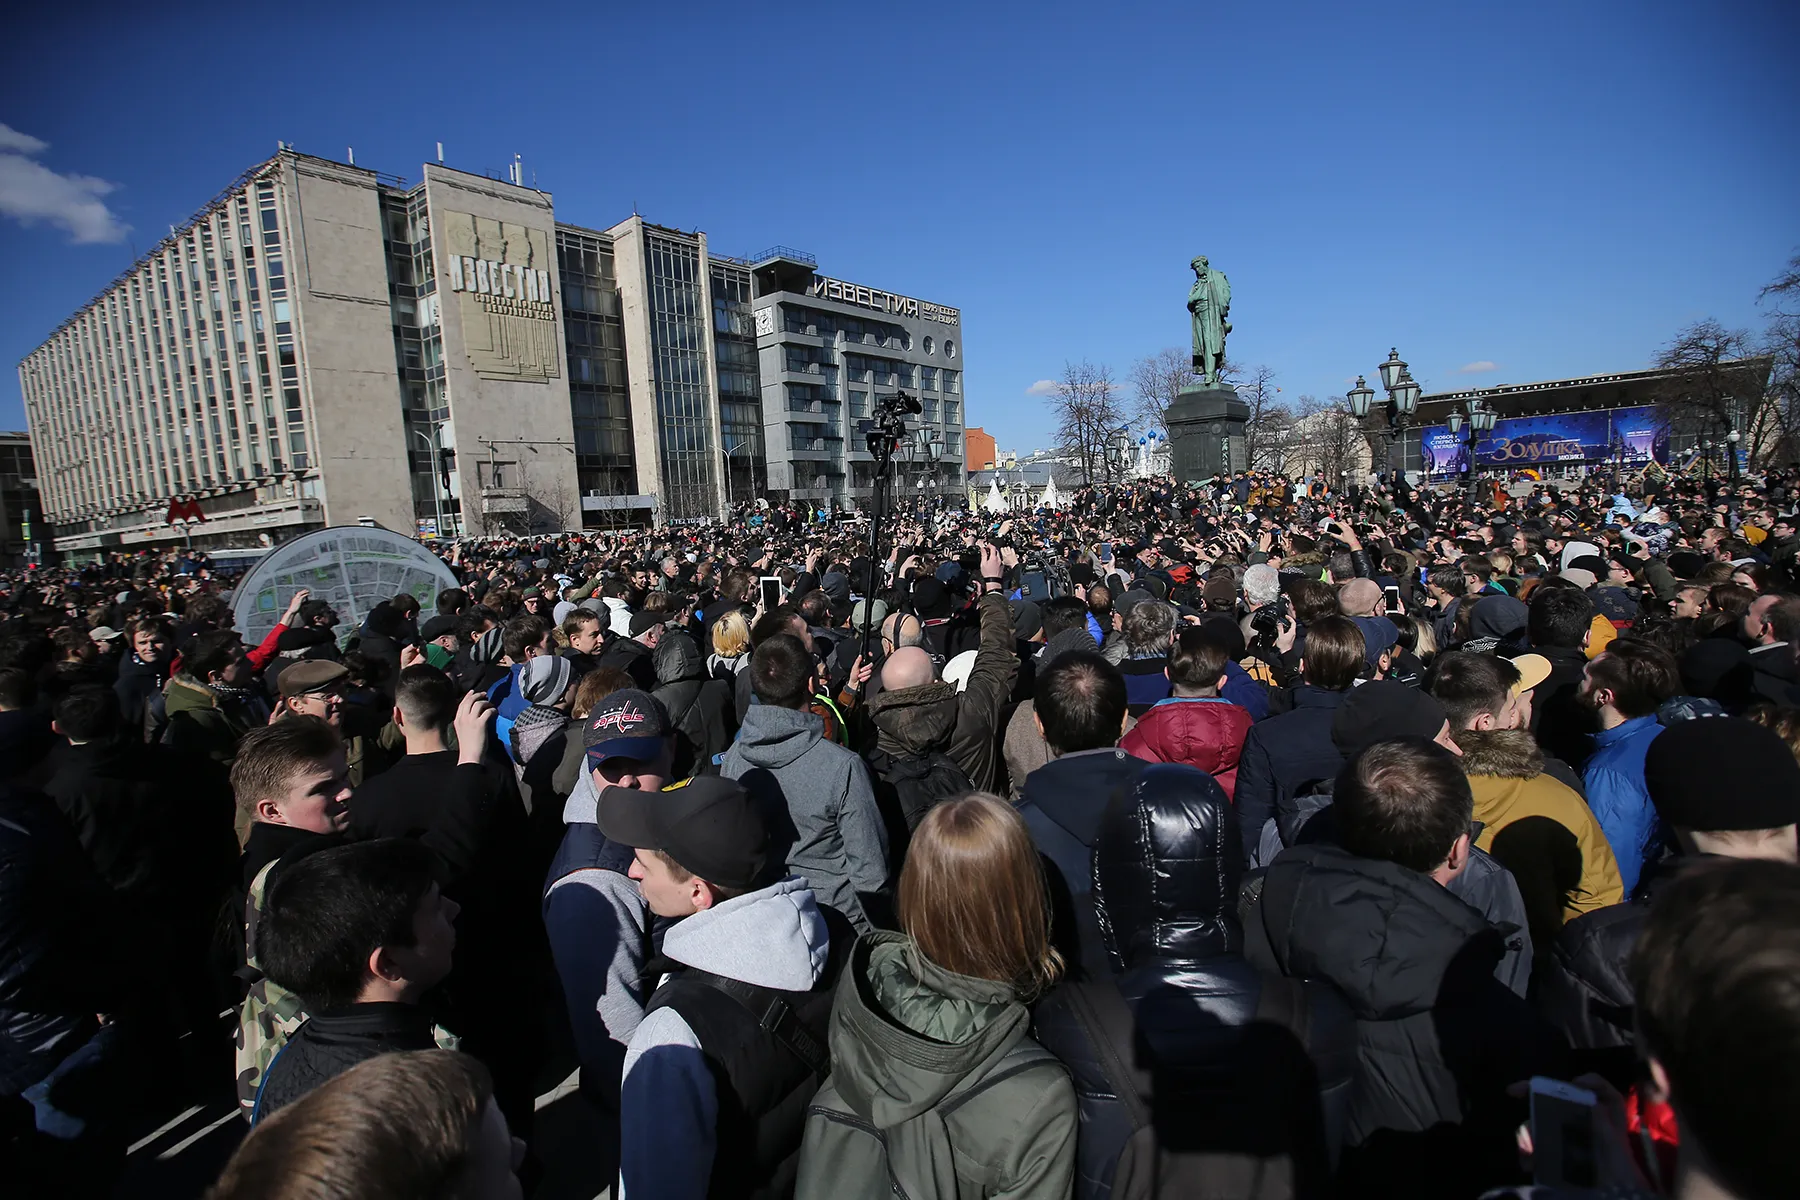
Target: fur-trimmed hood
column 1507, row 753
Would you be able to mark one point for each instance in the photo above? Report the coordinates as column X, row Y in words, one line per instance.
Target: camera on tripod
column 886, row 430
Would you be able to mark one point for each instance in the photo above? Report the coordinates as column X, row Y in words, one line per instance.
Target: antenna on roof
column 351, row 151
column 517, row 172
column 440, row 152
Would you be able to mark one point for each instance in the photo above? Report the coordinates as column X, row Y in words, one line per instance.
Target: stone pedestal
column 1206, row 432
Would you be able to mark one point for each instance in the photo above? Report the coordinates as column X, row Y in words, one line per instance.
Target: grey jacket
column 835, row 838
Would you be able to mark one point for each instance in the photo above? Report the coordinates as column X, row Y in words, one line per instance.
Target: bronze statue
column 1210, row 302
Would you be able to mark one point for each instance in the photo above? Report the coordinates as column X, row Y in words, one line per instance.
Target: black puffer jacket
column 1439, row 1038
column 1272, row 1100
column 698, row 705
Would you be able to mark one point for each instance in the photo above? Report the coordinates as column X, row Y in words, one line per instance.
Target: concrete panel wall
column 345, row 331
column 640, row 375
column 487, row 411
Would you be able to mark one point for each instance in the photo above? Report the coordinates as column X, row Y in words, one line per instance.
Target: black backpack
column 768, row 1051
column 923, row 781
column 1182, row 1145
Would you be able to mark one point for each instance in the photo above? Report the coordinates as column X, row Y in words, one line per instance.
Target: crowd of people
column 1240, row 840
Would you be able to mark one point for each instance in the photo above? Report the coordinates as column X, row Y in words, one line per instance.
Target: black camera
column 1267, row 620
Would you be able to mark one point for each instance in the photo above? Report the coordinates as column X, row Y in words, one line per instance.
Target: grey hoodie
column 668, row 1114
column 836, row 840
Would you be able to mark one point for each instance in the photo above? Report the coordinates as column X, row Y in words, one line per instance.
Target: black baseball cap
column 626, row 724
column 709, row 826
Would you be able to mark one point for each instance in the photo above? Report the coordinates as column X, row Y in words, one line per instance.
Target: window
column 952, row 412
column 906, row 374
column 928, row 377
column 949, row 348
column 929, row 349
column 950, row 384
column 859, row 404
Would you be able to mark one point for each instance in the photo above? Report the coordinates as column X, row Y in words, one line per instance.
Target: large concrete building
column 323, row 344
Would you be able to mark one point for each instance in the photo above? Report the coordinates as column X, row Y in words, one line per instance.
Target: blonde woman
column 936, row 1087
column 730, row 646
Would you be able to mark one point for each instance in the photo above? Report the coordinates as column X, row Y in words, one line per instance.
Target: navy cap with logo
column 710, row 826
column 626, row 724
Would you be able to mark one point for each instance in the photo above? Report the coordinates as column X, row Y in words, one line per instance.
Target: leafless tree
column 1705, row 398
column 1088, row 408
column 559, row 502
column 1268, row 414
column 1325, row 438
column 1156, row 379
column 1781, row 341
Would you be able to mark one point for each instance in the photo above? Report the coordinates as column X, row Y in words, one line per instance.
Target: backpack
column 1147, row 1167
column 768, row 1051
column 269, row 1012
column 921, row 782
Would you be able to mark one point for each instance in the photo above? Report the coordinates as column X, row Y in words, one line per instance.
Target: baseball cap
column 1533, row 669
column 875, row 617
column 626, row 724
column 103, row 634
column 1379, row 635
column 642, row 621
column 312, row 675
column 709, row 826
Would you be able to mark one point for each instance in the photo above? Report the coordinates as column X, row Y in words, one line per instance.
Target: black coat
column 1166, row 899
column 635, row 659
column 1281, row 756
column 333, row 1041
column 156, row 824
column 1062, row 803
column 1560, row 722
column 139, row 689
column 1439, row 1038
column 59, row 953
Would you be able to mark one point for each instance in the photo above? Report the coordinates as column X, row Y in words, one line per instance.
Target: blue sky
column 1553, row 189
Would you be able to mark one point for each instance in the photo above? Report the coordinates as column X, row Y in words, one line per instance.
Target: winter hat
column 1028, row 620
column 1718, row 668
column 1721, row 774
column 1685, row 564
column 875, row 618
column 544, row 679
column 1581, row 578
column 930, row 600
column 1497, row 617
column 1067, row 642
column 1381, row 711
column 486, row 649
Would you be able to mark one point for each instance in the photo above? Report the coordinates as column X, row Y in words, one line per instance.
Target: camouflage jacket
column 269, row 1012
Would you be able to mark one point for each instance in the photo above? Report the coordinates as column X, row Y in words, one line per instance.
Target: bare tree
column 1325, row 438
column 1781, row 341
column 1267, row 412
column 559, row 502
column 1088, row 409
column 1705, row 398
column 1156, row 380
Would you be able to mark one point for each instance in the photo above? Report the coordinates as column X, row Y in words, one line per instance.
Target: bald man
column 918, row 716
column 1360, row 598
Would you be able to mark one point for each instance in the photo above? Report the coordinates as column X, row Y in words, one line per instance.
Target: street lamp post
column 1731, row 454
column 431, row 466
column 1403, row 397
column 1480, row 419
column 728, row 454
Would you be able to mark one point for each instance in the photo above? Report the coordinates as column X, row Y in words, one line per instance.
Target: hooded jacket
column 833, row 835
column 203, row 720
column 1273, row 1099
column 1202, row 731
column 669, row 1110
column 934, row 718
column 935, row 1088
column 1282, row 755
column 1539, row 830
column 699, row 706
column 1439, row 1039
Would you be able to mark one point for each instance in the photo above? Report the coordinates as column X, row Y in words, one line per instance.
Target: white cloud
column 1477, row 368
column 32, row 193
column 1043, row 387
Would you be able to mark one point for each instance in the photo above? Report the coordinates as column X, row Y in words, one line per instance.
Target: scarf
column 531, row 729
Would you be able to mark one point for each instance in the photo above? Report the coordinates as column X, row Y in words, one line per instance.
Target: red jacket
column 1200, row 731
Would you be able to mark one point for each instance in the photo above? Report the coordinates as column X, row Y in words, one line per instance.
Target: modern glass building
column 323, row 344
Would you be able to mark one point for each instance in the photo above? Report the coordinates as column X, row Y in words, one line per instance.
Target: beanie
column 1381, row 711
column 1718, row 774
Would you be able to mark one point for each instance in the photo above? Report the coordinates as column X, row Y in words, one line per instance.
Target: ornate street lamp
column 1360, row 397
column 1480, row 419
column 1391, row 371
column 1403, row 393
column 1731, row 454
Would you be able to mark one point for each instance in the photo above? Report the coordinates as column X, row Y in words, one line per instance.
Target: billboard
column 1550, row 439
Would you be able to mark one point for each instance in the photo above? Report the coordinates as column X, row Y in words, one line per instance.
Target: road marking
column 166, row 1127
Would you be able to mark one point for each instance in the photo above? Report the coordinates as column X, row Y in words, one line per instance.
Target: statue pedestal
column 1206, row 432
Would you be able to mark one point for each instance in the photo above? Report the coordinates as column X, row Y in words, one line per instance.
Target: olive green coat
column 935, row 1089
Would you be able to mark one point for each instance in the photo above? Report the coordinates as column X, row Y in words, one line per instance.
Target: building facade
column 21, row 512
column 323, row 344
column 828, row 351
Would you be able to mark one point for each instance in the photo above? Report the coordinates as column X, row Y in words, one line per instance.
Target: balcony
column 502, row 501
